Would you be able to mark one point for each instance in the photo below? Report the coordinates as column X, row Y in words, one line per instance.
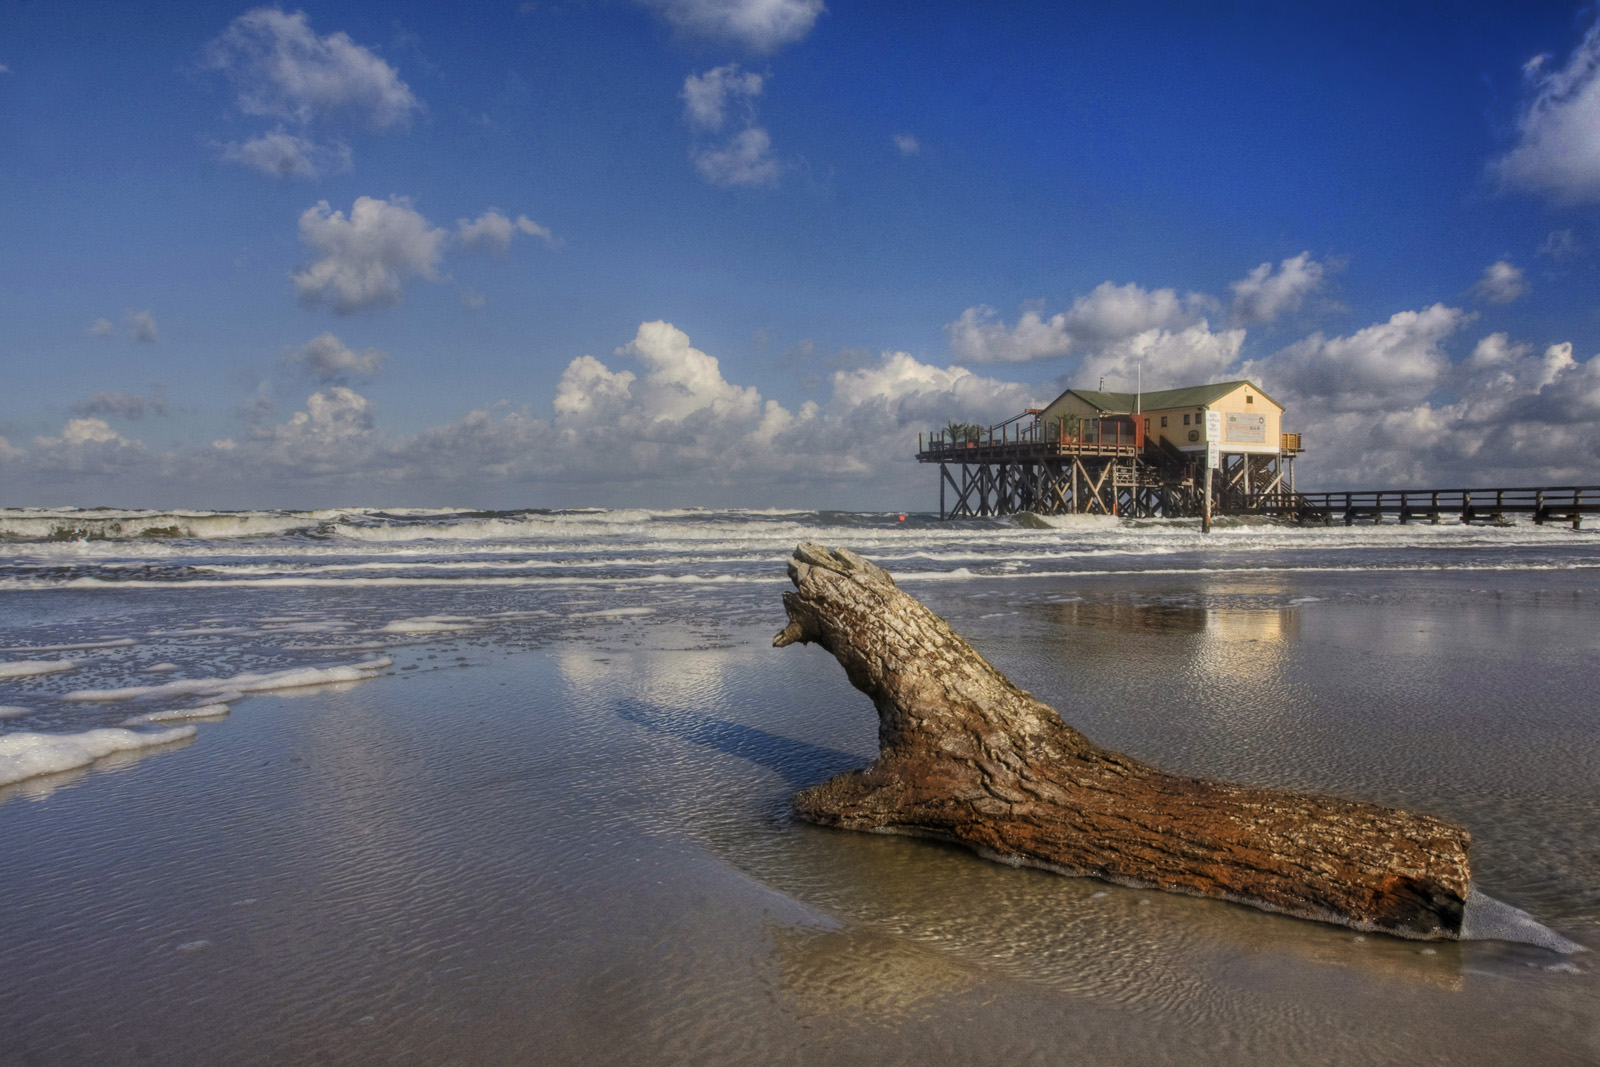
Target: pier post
column 1538, row 508
column 1205, row 507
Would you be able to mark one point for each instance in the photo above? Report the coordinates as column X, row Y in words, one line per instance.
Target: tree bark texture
column 966, row 756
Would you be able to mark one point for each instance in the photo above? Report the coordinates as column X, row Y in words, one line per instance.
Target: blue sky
column 738, row 252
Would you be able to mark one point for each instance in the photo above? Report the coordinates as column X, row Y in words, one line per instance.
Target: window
column 1163, row 422
column 1248, row 399
column 1186, row 420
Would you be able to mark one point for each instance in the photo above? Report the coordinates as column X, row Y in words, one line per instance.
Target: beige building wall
column 1255, row 427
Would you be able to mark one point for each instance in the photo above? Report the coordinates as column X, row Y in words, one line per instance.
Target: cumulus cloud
column 1264, row 294
column 364, row 260
column 283, row 70
column 1501, row 283
column 122, row 405
column 1506, row 416
column 286, row 155
column 1380, row 368
column 1110, row 314
column 745, row 157
column 760, row 25
column 86, row 446
column 143, row 326
column 707, row 97
column 331, row 360
column 1558, row 132
column 102, row 328
column 1496, row 350
column 906, row 143
column 745, row 160
column 318, row 440
column 664, row 422
column 492, row 232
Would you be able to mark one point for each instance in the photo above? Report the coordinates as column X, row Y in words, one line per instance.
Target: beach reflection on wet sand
column 583, row 853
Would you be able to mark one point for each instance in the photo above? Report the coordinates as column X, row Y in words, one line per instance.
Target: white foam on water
column 331, row 626
column 222, row 689
column 11, row 711
column 358, row 583
column 27, row 668
column 159, row 668
column 1297, row 601
column 429, row 624
column 115, row 642
column 1488, row 919
column 29, row 755
column 204, row 711
column 611, row 613
column 74, row 525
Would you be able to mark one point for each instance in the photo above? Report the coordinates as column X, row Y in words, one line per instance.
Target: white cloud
column 676, row 426
column 1558, row 133
column 86, row 446
column 330, row 359
column 1501, row 283
column 1107, row 315
column 1511, row 417
column 906, row 143
column 334, row 435
column 1496, row 350
column 283, row 70
column 1559, row 245
column 761, row 25
column 122, row 405
column 681, row 380
column 664, row 424
column 1163, row 359
column 1263, row 295
column 1384, row 367
column 143, row 325
column 364, row 260
column 102, row 328
column 285, row 155
column 492, row 232
column 707, row 97
column 746, row 160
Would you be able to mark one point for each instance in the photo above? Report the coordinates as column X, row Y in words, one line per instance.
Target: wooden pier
column 1100, row 467
column 1145, row 456
column 1565, row 503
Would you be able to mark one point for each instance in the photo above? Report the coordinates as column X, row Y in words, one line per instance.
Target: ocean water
column 361, row 786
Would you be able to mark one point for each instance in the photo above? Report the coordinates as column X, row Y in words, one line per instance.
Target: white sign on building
column 1213, row 427
column 1213, row 455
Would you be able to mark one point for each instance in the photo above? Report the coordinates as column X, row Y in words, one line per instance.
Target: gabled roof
column 1194, row 396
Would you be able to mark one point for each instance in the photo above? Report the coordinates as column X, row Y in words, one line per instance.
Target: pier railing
column 1015, row 439
column 1563, row 503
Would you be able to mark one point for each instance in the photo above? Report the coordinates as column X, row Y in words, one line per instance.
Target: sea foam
column 205, row 711
column 292, row 678
column 25, row 668
column 28, row 755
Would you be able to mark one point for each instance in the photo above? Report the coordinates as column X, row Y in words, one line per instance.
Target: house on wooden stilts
column 1133, row 454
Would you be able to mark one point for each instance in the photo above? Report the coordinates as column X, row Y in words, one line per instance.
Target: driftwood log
column 966, row 756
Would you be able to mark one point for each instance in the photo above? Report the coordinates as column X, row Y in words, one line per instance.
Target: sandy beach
column 574, row 846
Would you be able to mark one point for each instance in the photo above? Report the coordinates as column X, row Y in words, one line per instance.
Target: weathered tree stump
column 966, row 756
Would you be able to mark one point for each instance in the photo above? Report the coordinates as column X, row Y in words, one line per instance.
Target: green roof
column 1194, row 396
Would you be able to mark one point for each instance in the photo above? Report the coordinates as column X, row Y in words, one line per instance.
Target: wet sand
column 583, row 854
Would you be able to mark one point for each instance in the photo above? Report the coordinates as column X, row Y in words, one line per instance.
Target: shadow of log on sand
column 966, row 756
